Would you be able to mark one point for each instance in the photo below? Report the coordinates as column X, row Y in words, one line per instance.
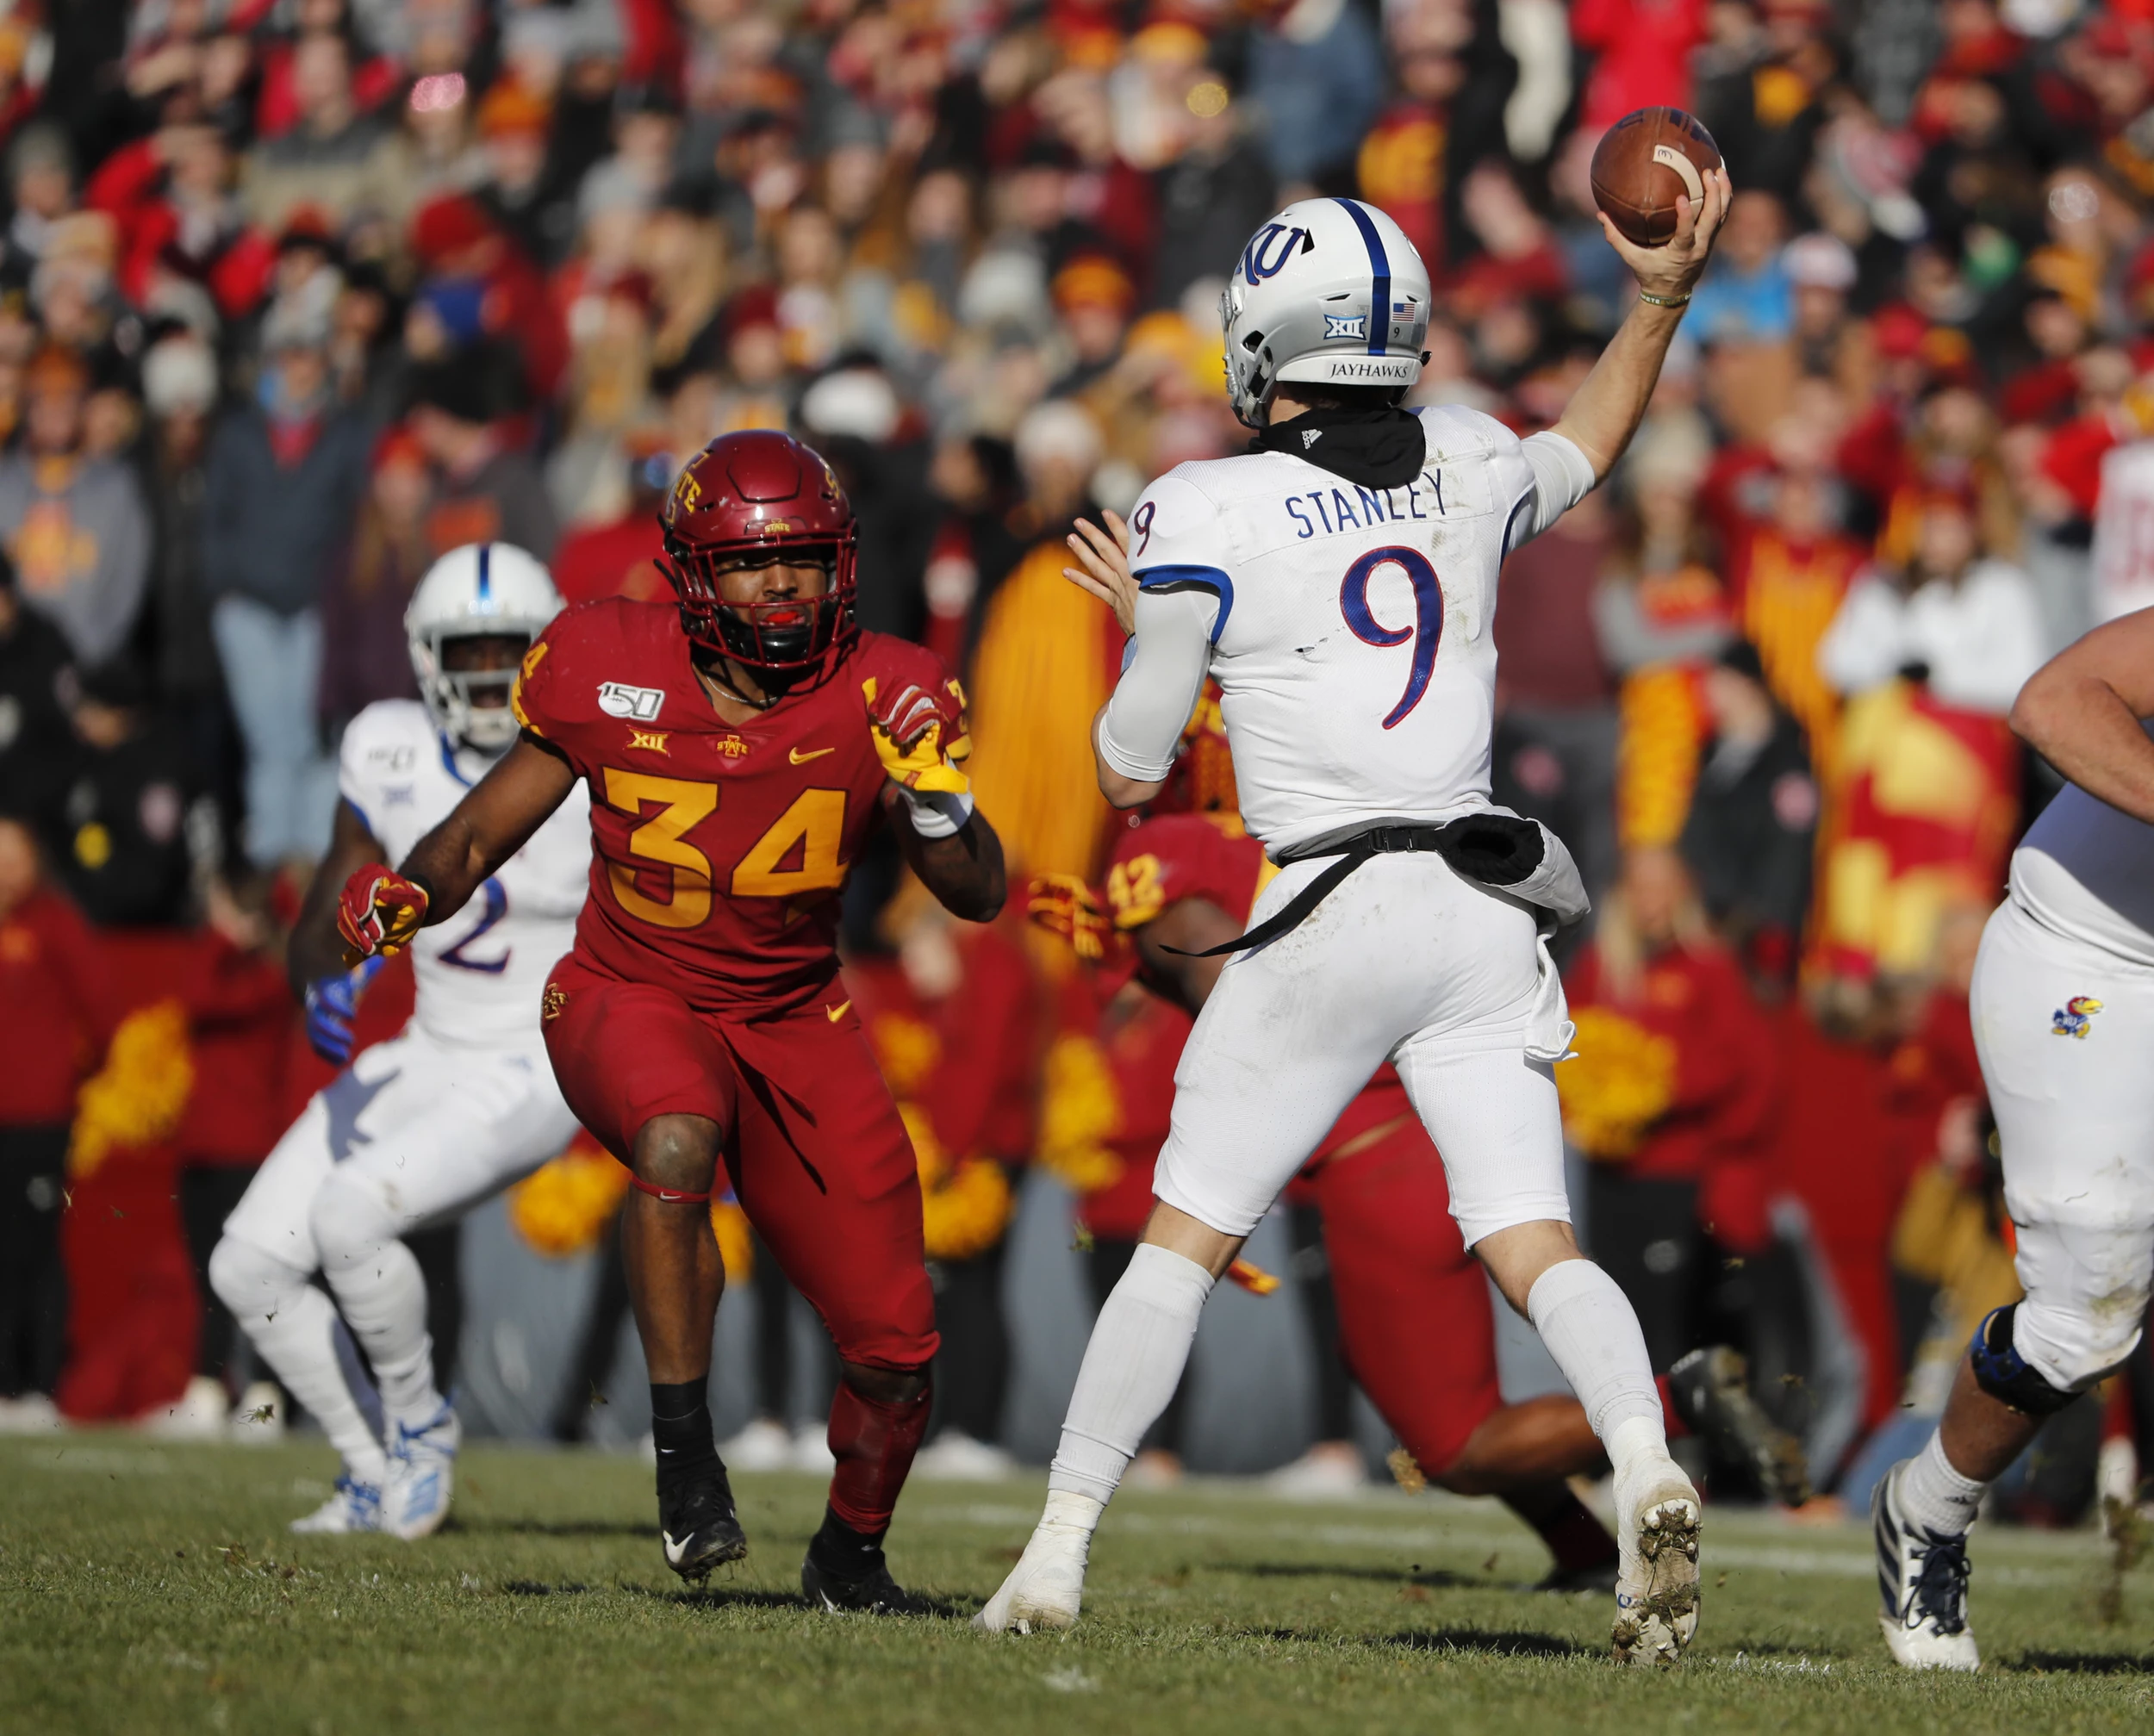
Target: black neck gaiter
column 1377, row 449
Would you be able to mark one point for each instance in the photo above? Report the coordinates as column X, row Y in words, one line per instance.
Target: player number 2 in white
column 1426, row 631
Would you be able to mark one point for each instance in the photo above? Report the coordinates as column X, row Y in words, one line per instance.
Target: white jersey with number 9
column 1350, row 628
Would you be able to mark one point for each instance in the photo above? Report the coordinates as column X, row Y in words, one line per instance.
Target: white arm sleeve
column 1562, row 477
column 1162, row 672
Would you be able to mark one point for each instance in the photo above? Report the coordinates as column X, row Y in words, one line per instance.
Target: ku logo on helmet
column 1269, row 249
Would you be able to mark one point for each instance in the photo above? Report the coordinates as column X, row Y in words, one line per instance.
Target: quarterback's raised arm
column 1604, row 412
column 380, row 911
column 2082, row 711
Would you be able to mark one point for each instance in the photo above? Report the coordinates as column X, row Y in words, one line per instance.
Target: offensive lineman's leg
column 2073, row 1114
column 260, row 1269
column 1493, row 1115
column 655, row 1088
column 826, row 1172
column 490, row 1119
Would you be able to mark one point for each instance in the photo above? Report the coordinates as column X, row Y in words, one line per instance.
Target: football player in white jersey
column 2062, row 1002
column 1339, row 581
column 458, row 1104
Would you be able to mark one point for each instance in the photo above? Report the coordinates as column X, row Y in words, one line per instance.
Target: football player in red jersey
column 738, row 744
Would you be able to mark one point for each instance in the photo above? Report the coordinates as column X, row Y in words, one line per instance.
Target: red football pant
column 1415, row 1323
column 818, row 1157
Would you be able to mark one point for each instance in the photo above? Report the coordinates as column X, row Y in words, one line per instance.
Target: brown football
column 1643, row 163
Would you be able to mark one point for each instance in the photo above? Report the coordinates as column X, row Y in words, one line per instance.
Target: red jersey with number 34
column 717, row 849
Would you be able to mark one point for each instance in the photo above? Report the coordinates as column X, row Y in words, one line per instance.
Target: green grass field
column 146, row 1589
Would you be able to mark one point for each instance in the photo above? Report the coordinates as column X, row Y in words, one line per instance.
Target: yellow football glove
column 919, row 734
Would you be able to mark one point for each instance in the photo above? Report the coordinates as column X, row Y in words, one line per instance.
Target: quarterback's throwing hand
column 1672, row 270
column 920, row 735
column 1102, row 566
column 378, row 912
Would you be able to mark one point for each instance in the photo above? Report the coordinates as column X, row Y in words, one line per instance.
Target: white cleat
column 34, row 1413
column 352, row 1507
column 1329, row 1470
column 1046, row 1586
column 1657, row 1515
column 763, row 1444
column 1922, row 1585
column 421, row 1474
column 955, row 1457
column 812, row 1450
column 200, row 1413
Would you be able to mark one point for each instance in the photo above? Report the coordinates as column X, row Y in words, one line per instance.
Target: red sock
column 1677, row 1429
column 873, row 1443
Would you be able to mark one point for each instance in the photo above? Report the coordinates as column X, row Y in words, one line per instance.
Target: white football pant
column 2076, row 1126
column 414, row 1133
column 1404, row 962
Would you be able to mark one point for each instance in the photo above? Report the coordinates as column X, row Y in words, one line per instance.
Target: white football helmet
column 1329, row 290
column 480, row 588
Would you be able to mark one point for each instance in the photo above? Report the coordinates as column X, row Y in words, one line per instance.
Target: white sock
column 1933, row 1496
column 1139, row 1346
column 293, row 1326
column 381, row 1293
column 1587, row 1323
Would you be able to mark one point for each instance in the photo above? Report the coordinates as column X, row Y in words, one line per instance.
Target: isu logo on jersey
column 733, row 747
column 619, row 699
column 551, row 1003
column 2076, row 1017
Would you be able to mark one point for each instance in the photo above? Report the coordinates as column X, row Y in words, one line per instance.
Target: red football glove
column 1062, row 904
column 378, row 912
column 918, row 733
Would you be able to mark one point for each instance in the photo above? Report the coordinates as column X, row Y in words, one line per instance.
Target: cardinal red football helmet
column 762, row 496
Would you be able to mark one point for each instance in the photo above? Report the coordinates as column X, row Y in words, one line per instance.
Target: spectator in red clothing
column 240, row 1028
column 618, row 558
column 1671, row 1096
column 1554, row 755
column 365, row 655
column 1644, row 48
column 54, row 1022
column 480, row 285
column 1519, row 259
column 172, row 195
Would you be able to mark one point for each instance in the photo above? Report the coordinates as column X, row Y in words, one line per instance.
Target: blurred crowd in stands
column 295, row 295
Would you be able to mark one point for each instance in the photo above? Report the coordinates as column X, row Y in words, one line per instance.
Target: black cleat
column 873, row 1593
column 698, row 1527
column 1714, row 1404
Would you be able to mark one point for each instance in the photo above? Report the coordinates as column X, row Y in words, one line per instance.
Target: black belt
column 1496, row 849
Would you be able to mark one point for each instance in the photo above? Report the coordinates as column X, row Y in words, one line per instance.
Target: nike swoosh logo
column 835, row 1013
column 801, row 759
column 674, row 1551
